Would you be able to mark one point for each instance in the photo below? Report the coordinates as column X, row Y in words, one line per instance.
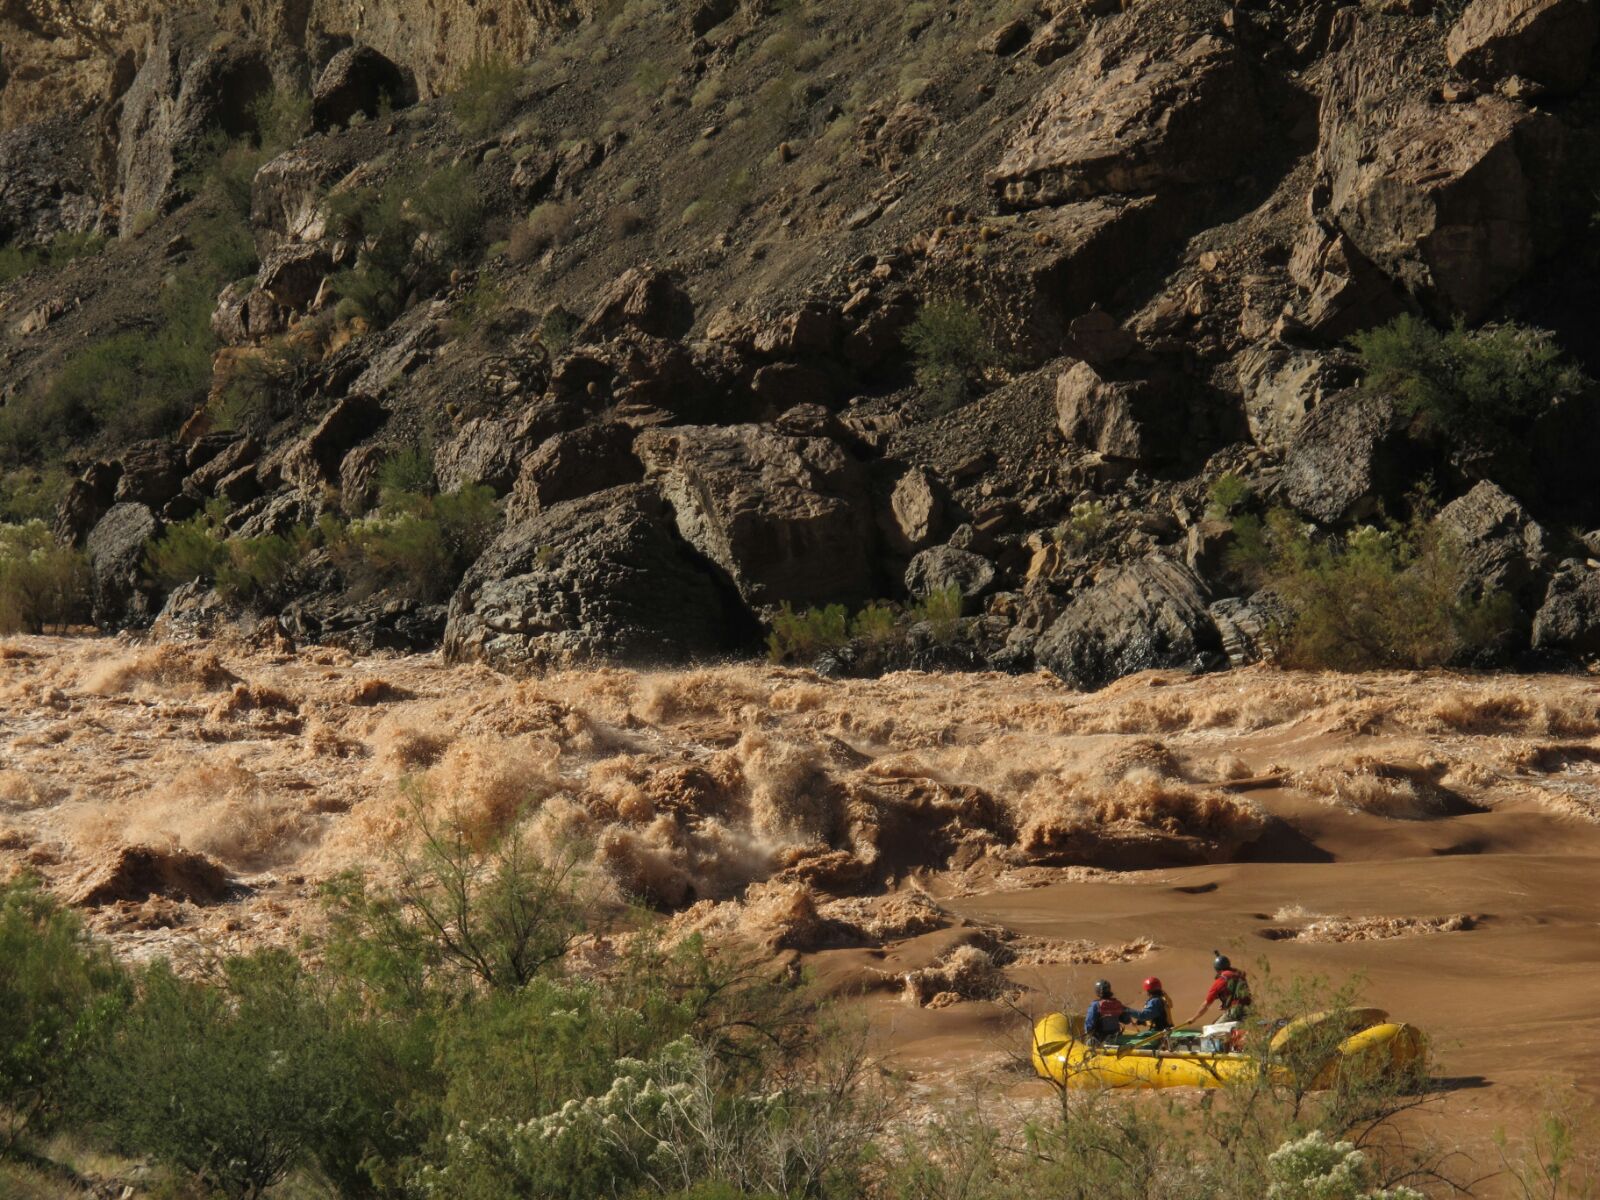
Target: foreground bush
column 1371, row 598
column 951, row 348
column 42, row 584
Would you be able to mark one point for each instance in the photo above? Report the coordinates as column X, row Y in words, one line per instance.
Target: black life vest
column 1108, row 1017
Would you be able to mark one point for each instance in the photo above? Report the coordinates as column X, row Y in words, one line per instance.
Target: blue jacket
column 1098, row 1025
column 1155, row 1013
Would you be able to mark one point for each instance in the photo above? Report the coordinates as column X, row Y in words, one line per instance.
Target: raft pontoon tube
column 1322, row 1044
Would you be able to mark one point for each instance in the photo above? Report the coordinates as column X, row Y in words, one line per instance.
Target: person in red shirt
column 1230, row 988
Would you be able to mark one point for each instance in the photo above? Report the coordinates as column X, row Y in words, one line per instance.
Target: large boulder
column 287, row 194
column 1501, row 546
column 646, row 299
column 1455, row 202
column 1569, row 620
column 604, row 577
column 116, row 550
column 152, row 472
column 1281, row 384
column 1146, row 614
column 292, row 273
column 1139, row 419
column 313, row 460
column 1548, row 41
column 573, row 464
column 788, row 518
column 1346, row 456
column 949, row 569
column 357, row 81
column 1129, row 120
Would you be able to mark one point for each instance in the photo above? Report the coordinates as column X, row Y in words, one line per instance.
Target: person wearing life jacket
column 1230, row 988
column 1106, row 1016
column 1157, row 1010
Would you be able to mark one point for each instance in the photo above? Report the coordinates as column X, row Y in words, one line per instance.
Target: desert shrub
column 42, row 583
column 951, row 349
column 242, row 569
column 57, row 252
column 479, row 312
column 549, row 224
column 876, row 623
column 31, row 494
column 1228, row 493
column 558, row 328
column 260, row 389
column 941, row 611
column 189, row 550
column 135, row 384
column 485, row 95
column 803, row 635
column 234, row 1085
column 59, row 994
column 1374, row 597
column 412, row 233
column 415, row 544
column 1085, row 525
column 1468, row 383
column 407, row 470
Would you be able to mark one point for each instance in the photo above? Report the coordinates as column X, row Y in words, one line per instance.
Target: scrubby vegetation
column 463, row 1035
column 57, row 252
column 42, row 584
column 800, row 635
column 1387, row 595
column 485, row 95
column 952, row 348
column 1471, row 383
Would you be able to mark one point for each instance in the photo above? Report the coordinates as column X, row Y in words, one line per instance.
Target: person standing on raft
column 1230, row 988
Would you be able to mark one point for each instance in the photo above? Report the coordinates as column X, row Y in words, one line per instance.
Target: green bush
column 32, row 493
column 42, row 584
column 59, row 993
column 485, row 95
column 242, row 569
column 804, row 635
column 407, row 470
column 1228, row 493
column 415, row 544
column 951, row 349
column 189, row 550
column 877, row 624
column 1468, row 383
column 1372, row 598
column 234, row 1085
column 1085, row 525
column 57, row 252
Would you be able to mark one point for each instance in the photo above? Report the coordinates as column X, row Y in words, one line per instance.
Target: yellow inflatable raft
column 1322, row 1045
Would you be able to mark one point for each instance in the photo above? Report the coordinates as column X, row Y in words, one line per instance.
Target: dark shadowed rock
column 574, row 464
column 357, row 80
column 1245, row 626
column 46, row 182
column 484, row 450
column 1126, row 120
column 236, row 455
column 1501, row 546
column 116, row 549
column 783, row 516
column 1152, row 613
column 292, row 273
column 1281, row 384
column 136, row 873
column 86, row 501
column 152, row 472
column 944, row 569
column 602, row 577
column 647, row 299
column 314, row 459
column 1569, row 620
column 287, row 194
column 1548, row 41
column 1345, row 457
column 1141, row 420
column 368, row 626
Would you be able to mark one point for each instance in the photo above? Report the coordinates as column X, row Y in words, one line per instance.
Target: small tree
column 951, row 348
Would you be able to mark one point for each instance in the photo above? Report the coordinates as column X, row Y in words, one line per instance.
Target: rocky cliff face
column 654, row 293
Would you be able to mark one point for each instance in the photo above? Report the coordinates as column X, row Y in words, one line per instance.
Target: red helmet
column 1152, row 984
